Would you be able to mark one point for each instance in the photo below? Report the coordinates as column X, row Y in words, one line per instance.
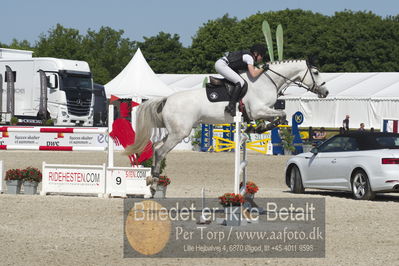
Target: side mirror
column 52, row 81
column 314, row 151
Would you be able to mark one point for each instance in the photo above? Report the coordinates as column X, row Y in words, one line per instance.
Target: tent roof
column 137, row 79
column 340, row 85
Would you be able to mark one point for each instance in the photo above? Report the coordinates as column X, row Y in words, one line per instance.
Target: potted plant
column 14, row 181
column 250, row 189
column 163, row 181
column 232, row 208
column 196, row 140
column 14, row 121
column 48, row 122
column 287, row 140
column 31, row 178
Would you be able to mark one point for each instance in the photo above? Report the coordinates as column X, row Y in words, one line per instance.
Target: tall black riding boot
column 235, row 95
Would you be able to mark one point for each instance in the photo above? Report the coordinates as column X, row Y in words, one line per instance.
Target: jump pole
column 239, row 165
column 110, row 151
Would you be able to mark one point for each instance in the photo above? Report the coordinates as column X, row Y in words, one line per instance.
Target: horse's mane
column 287, row 61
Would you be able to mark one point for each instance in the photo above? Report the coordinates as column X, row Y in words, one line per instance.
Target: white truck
column 67, row 93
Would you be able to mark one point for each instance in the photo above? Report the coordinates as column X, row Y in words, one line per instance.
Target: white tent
column 137, row 80
column 366, row 97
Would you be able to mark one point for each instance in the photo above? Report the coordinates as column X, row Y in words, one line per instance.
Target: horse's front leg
column 276, row 117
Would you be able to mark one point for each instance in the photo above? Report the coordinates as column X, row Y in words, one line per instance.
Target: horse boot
column 261, row 128
column 235, row 96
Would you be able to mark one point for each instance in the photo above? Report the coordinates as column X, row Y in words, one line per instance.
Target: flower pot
column 13, row 186
column 30, row 187
column 160, row 192
column 233, row 215
column 196, row 147
column 287, row 151
column 249, row 196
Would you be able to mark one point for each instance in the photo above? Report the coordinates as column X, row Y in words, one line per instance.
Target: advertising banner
column 122, row 181
column 85, row 179
column 55, row 139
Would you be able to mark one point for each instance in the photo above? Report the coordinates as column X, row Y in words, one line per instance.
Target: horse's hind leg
column 159, row 155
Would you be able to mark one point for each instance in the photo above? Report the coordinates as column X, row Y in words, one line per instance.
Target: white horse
column 179, row 112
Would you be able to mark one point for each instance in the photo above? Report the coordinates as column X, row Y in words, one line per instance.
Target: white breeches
column 223, row 69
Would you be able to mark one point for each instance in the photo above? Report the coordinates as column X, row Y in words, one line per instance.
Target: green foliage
column 48, row 122
column 14, row 120
column 212, row 40
column 107, row 53
column 287, row 139
column 60, row 42
column 196, row 140
column 148, row 164
column 165, row 54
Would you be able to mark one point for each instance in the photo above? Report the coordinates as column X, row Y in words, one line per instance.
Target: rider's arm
column 254, row 71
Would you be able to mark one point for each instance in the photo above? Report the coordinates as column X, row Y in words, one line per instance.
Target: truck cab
column 69, row 89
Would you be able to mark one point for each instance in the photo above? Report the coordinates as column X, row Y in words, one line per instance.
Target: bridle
column 298, row 83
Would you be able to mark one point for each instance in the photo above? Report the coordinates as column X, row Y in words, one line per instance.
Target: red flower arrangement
column 231, row 199
column 32, row 174
column 13, row 174
column 163, row 181
column 28, row 174
column 250, row 187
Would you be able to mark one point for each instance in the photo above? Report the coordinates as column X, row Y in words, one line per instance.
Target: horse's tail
column 148, row 117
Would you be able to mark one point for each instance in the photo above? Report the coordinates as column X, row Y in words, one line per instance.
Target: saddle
column 219, row 90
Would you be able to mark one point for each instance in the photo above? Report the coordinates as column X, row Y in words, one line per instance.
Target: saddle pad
column 217, row 93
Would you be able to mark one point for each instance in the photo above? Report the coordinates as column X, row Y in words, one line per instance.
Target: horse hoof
column 249, row 130
column 149, row 180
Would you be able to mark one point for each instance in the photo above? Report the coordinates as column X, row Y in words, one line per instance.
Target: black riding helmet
column 259, row 48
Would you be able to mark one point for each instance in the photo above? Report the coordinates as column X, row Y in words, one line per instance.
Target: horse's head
column 310, row 79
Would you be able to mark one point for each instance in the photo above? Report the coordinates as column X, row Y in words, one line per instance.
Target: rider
column 232, row 63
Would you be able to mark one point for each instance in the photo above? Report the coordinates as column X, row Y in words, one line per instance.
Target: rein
column 299, row 84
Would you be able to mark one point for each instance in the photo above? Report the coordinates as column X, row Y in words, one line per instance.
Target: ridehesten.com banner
column 89, row 179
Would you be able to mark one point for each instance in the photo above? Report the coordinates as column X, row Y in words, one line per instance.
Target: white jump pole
column 110, row 140
column 237, row 158
column 240, row 166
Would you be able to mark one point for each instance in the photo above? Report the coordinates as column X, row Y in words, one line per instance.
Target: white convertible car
column 361, row 162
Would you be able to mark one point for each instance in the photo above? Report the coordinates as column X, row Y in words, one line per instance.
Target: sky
column 27, row 19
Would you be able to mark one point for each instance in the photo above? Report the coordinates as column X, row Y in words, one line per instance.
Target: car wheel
column 296, row 180
column 361, row 186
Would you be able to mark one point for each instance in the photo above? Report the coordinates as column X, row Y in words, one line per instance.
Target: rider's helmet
column 259, row 48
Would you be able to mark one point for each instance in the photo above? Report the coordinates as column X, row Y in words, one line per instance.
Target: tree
column 165, row 53
column 107, row 53
column 212, row 40
column 61, row 43
column 15, row 44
